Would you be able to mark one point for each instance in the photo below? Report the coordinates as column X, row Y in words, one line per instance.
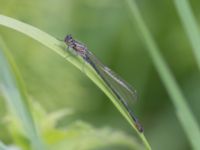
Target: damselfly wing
column 120, row 88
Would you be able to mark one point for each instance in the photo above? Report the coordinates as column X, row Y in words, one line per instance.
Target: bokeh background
column 106, row 28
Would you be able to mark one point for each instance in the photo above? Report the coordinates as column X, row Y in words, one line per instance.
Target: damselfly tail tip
column 139, row 127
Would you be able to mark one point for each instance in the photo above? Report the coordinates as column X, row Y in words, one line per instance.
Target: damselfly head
column 68, row 39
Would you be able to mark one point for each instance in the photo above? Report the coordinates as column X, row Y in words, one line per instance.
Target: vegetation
column 51, row 105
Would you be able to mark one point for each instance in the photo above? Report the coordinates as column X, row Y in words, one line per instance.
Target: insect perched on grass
column 120, row 88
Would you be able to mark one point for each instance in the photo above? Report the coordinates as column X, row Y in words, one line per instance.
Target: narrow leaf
column 59, row 47
column 183, row 112
column 14, row 92
column 190, row 26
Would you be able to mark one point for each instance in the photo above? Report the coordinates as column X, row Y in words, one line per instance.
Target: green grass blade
column 190, row 26
column 12, row 88
column 183, row 112
column 59, row 47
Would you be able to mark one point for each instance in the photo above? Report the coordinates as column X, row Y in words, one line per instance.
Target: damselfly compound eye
column 68, row 38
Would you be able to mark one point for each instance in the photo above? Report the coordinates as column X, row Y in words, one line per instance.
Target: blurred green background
column 106, row 28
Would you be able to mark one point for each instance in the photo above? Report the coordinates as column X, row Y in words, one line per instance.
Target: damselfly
column 121, row 89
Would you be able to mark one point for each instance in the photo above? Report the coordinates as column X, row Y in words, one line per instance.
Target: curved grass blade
column 14, row 92
column 59, row 47
column 183, row 112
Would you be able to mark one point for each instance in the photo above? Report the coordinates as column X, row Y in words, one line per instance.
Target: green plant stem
column 190, row 26
column 59, row 47
column 183, row 112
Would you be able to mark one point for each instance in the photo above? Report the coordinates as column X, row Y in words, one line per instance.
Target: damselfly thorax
column 80, row 48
